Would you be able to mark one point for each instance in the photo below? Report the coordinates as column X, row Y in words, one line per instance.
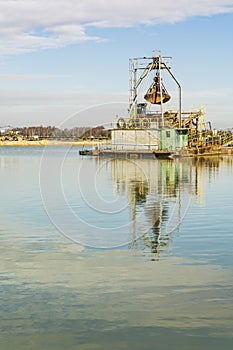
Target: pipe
column 179, row 88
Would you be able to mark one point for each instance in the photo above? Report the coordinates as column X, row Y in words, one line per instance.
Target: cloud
column 30, row 25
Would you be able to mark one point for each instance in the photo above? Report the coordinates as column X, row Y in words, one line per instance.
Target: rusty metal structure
column 167, row 132
column 157, row 93
column 139, row 69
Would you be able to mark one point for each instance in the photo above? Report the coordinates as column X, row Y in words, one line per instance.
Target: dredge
column 146, row 133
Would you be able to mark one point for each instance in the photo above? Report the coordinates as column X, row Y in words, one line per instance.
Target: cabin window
column 168, row 134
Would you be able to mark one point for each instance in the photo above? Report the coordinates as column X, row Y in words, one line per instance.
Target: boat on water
column 85, row 152
column 89, row 152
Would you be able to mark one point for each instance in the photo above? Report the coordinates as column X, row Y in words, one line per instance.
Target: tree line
column 52, row 132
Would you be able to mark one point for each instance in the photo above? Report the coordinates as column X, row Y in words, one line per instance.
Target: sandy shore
column 52, row 143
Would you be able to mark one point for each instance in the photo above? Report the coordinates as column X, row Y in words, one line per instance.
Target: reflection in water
column 109, row 203
column 59, row 295
column 159, row 193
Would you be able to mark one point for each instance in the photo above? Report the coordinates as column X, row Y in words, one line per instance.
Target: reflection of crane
column 158, row 194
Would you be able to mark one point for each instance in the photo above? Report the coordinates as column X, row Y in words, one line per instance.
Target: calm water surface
column 114, row 253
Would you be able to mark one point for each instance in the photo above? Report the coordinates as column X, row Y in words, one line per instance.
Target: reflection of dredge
column 148, row 133
column 159, row 194
column 156, row 193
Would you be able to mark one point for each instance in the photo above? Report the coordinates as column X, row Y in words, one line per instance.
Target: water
column 114, row 254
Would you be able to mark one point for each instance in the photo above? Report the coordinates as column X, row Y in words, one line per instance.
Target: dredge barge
column 163, row 133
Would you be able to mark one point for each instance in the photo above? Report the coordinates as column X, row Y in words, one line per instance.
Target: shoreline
column 82, row 143
column 52, row 143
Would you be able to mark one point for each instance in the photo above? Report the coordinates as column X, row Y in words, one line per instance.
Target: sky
column 65, row 62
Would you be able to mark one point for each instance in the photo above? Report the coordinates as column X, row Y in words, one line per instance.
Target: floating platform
column 129, row 154
column 157, row 154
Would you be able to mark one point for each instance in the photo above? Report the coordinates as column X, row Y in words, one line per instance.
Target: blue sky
column 62, row 56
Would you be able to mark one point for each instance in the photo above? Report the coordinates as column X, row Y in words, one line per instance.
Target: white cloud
column 29, row 25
